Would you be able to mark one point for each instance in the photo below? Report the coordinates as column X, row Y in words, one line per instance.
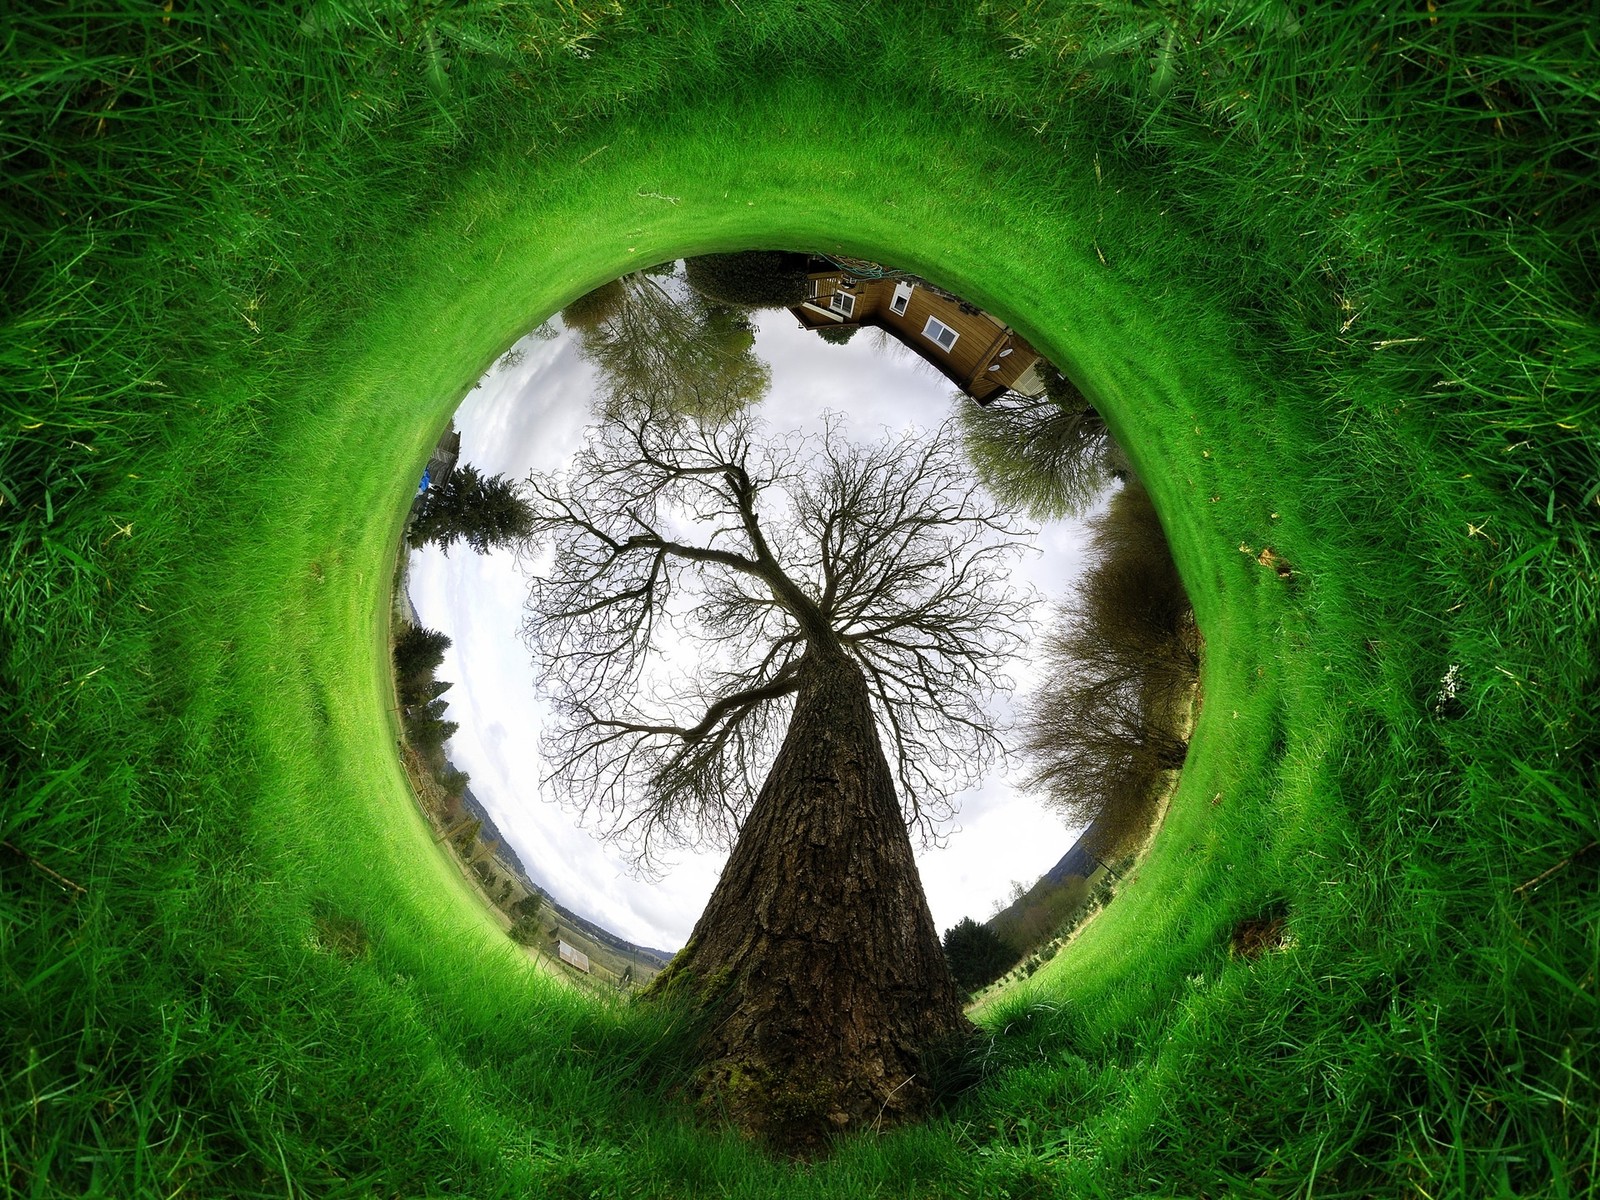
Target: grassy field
column 1330, row 273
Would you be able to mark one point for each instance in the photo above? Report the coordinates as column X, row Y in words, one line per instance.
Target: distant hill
column 603, row 935
column 510, row 858
column 1031, row 916
column 507, row 855
column 1076, row 861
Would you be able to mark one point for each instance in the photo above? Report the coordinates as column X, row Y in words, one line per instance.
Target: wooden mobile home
column 978, row 353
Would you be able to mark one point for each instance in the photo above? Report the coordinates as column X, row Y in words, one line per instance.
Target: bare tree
column 1119, row 663
column 849, row 613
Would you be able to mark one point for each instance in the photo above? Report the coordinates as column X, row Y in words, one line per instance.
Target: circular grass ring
column 268, row 976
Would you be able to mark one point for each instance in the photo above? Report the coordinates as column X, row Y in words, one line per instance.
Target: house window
column 902, row 299
column 815, row 290
column 940, row 334
column 843, row 303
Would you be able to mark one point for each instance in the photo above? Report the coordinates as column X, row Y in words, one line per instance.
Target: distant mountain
column 509, row 856
column 1048, row 894
column 1076, row 861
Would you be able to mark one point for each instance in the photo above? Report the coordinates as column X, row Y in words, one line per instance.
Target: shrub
column 751, row 278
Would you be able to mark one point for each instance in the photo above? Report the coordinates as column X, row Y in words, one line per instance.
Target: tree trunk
column 817, row 957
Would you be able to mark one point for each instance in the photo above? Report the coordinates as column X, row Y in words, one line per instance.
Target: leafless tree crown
column 693, row 566
column 1119, row 662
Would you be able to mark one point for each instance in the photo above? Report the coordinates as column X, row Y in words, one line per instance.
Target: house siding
column 980, row 338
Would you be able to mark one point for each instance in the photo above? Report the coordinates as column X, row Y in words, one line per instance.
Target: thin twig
column 879, row 1120
column 1538, row 879
column 56, row 875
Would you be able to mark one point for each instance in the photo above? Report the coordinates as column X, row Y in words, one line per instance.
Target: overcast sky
column 531, row 416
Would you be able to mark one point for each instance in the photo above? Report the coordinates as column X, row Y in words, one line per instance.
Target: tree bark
column 816, row 957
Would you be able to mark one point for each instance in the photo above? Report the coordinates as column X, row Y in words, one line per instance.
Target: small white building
column 573, row 957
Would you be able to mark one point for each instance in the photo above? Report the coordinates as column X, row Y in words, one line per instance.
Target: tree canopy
column 750, row 278
column 1119, row 660
column 647, row 336
column 1048, row 456
column 755, row 641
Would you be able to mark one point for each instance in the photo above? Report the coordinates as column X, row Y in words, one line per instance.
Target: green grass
column 239, row 311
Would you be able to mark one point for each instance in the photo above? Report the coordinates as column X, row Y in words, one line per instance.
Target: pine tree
column 977, row 955
column 418, row 651
column 483, row 512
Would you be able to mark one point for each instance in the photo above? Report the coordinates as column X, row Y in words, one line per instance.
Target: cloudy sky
column 531, row 416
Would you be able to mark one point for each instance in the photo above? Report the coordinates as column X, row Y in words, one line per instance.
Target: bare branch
column 885, row 554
